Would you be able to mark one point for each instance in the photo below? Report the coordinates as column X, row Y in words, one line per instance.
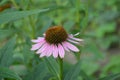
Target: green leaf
column 106, row 16
column 74, row 72
column 92, row 48
column 68, row 25
column 6, row 53
column 5, row 33
column 52, row 66
column 112, row 66
column 109, row 27
column 12, row 16
column 46, row 26
column 38, row 73
column 3, row 2
column 85, row 76
column 7, row 73
column 111, row 77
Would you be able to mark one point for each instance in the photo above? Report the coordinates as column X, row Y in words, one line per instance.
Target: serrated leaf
column 6, row 53
column 74, row 72
column 7, row 73
column 111, row 77
column 52, row 66
column 12, row 16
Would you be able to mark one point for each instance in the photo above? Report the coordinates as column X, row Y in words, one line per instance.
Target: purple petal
column 76, row 39
column 38, row 45
column 45, row 51
column 50, row 50
column 65, row 47
column 44, row 34
column 61, row 51
column 38, row 40
column 76, row 34
column 73, row 41
column 43, row 54
column 42, row 48
column 55, row 51
column 71, row 47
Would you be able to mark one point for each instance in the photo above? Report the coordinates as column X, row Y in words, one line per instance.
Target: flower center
column 55, row 35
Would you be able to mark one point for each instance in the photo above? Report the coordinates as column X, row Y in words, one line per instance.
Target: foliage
column 97, row 21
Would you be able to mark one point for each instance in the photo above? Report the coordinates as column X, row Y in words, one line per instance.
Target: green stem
column 61, row 68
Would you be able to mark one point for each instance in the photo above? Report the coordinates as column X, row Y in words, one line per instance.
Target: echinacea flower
column 55, row 42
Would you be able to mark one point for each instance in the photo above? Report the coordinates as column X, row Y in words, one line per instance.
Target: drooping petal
column 37, row 45
column 42, row 48
column 75, row 42
column 55, row 51
column 76, row 39
column 76, row 34
column 71, row 47
column 61, row 51
column 45, row 51
column 50, row 50
column 44, row 34
column 37, row 40
column 43, row 54
column 65, row 47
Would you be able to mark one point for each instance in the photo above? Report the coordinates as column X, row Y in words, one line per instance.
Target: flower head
column 55, row 42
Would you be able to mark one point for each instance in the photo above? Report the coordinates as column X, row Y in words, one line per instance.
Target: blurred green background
column 97, row 21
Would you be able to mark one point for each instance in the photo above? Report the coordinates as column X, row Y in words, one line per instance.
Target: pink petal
column 50, row 50
column 55, row 51
column 43, row 54
column 42, row 48
column 71, row 47
column 73, row 41
column 44, row 34
column 37, row 40
column 76, row 39
column 61, row 51
column 65, row 47
column 46, row 50
column 38, row 45
column 76, row 34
